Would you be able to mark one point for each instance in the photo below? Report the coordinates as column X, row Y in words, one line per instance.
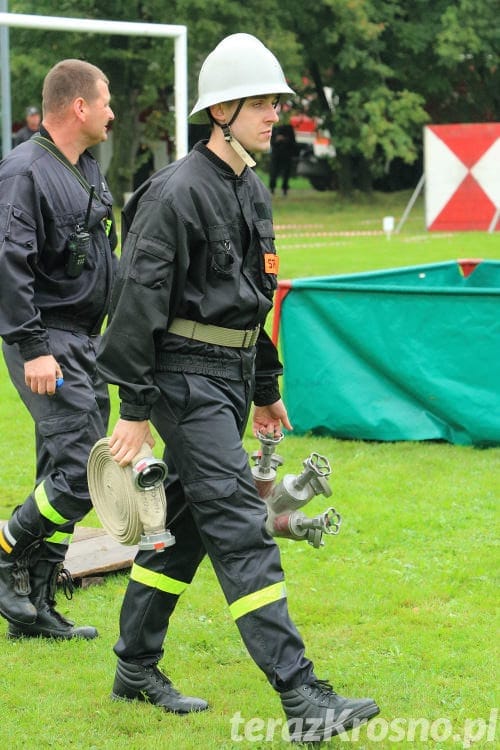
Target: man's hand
column 127, row 439
column 269, row 419
column 40, row 374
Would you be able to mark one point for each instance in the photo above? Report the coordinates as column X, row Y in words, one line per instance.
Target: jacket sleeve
column 20, row 320
column 267, row 369
column 140, row 307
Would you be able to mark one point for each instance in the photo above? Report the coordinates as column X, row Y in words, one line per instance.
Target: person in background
column 283, row 150
column 30, row 127
column 187, row 347
column 57, row 263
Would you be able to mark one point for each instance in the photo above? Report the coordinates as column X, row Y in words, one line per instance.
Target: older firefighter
column 56, row 270
column 186, row 345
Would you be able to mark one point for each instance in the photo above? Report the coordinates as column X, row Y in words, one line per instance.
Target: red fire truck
column 315, row 148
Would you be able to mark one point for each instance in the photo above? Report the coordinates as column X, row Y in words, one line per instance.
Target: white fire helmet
column 240, row 66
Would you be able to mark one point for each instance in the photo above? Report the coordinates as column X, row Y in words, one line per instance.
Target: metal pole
column 180, row 97
column 5, row 85
column 95, row 26
column 494, row 220
column 411, row 203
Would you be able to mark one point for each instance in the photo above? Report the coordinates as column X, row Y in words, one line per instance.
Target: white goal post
column 126, row 28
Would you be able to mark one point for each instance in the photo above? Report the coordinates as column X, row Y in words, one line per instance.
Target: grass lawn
column 402, row 605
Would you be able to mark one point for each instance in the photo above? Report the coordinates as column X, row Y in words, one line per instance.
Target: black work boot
column 147, row 683
column 49, row 622
column 15, row 604
column 315, row 712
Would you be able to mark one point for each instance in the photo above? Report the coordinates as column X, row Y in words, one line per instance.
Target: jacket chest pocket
column 221, row 255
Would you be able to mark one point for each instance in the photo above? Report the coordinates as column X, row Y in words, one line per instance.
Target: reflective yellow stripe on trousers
column 258, row 599
column 157, row 580
column 60, row 537
column 46, row 509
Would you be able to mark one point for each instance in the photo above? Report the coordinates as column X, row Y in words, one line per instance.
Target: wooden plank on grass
column 93, row 552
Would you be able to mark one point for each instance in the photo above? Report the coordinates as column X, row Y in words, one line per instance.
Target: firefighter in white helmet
column 187, row 348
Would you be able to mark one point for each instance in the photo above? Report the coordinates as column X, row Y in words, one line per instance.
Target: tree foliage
column 390, row 66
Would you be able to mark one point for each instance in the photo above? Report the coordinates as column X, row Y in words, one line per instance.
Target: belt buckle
column 251, row 336
column 247, row 335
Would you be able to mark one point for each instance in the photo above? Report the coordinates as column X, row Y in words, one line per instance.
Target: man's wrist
column 134, row 412
column 267, row 394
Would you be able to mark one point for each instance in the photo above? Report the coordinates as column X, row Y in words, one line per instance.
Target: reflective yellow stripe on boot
column 4, row 544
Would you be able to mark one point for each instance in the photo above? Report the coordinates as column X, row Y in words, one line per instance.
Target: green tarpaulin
column 401, row 354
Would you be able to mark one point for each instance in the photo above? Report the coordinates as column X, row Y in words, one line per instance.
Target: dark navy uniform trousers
column 67, row 425
column 213, row 508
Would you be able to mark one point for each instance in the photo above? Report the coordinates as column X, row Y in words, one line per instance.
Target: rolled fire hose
column 130, row 501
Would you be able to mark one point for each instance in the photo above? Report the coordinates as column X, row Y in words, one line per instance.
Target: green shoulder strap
column 51, row 147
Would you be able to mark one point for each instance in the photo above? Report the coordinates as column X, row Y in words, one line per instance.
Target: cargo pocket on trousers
column 212, row 488
column 67, row 440
column 231, row 528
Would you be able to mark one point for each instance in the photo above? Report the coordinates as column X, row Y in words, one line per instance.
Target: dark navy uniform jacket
column 198, row 244
column 41, row 203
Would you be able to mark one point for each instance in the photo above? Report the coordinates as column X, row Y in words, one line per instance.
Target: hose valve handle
column 266, row 460
column 316, row 469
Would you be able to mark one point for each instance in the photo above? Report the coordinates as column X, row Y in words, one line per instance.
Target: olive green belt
column 216, row 335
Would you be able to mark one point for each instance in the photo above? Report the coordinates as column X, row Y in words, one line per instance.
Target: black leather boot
column 49, row 623
column 147, row 683
column 15, row 604
column 315, row 712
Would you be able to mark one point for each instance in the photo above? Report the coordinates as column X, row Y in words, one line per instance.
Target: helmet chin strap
column 235, row 144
